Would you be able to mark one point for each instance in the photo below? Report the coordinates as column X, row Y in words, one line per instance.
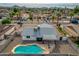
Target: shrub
column 6, row 21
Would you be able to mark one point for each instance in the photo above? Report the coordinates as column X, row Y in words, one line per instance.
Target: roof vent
column 38, row 27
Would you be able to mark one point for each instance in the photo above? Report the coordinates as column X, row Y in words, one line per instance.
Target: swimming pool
column 28, row 49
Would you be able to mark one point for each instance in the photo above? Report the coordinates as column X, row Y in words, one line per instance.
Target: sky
column 35, row 5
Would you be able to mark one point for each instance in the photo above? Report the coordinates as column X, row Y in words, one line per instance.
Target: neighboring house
column 3, row 15
column 41, row 32
column 6, row 35
column 23, row 18
column 6, row 30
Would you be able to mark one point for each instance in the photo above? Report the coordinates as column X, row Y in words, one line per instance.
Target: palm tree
column 58, row 18
column 38, row 19
column 53, row 18
column 31, row 17
column 11, row 14
column 71, row 14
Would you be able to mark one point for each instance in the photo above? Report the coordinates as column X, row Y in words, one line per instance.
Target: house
column 25, row 16
column 6, row 35
column 22, row 18
column 4, row 13
column 6, row 30
column 41, row 32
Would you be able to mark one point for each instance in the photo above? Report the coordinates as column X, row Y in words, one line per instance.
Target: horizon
column 36, row 5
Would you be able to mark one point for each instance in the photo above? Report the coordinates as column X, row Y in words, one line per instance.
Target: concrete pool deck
column 11, row 45
column 63, row 48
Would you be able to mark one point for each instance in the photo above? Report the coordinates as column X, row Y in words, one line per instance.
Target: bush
column 6, row 21
column 61, row 30
column 77, row 42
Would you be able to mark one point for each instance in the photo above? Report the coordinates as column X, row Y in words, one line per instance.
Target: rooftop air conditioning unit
column 35, row 29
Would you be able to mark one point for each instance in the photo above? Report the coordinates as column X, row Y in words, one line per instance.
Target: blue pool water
column 30, row 49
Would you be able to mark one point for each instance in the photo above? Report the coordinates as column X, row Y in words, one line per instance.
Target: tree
column 6, row 21
column 71, row 14
column 58, row 17
column 11, row 14
column 31, row 17
column 38, row 18
column 76, row 9
column 53, row 18
column 15, row 11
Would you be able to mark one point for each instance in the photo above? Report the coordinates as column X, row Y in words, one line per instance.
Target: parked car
column 75, row 21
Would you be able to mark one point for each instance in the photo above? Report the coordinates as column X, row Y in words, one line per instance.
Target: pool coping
column 45, row 52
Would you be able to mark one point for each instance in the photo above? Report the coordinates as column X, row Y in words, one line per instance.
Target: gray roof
column 40, row 32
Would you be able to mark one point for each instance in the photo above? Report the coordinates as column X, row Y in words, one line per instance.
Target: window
column 39, row 39
column 27, row 36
